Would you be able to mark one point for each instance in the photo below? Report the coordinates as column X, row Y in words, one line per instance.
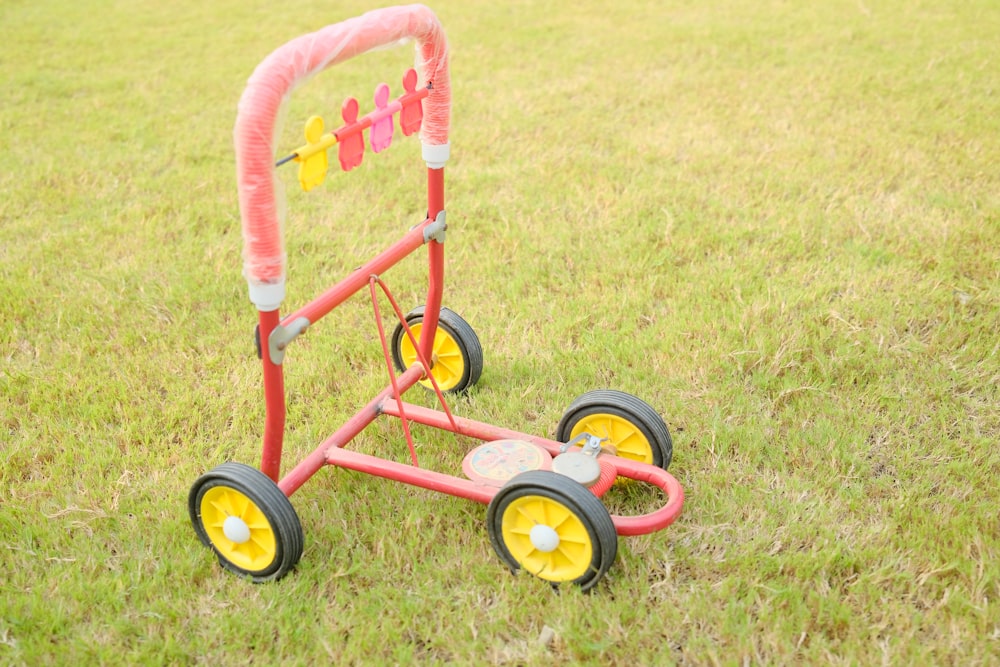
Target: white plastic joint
column 435, row 156
column 267, row 296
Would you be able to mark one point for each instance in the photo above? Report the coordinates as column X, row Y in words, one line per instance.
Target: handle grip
column 270, row 85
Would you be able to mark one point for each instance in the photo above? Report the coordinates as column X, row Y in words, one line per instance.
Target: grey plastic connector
column 435, row 230
column 281, row 336
column 591, row 444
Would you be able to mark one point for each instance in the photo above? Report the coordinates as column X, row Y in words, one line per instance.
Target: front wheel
column 457, row 356
column 552, row 527
column 247, row 521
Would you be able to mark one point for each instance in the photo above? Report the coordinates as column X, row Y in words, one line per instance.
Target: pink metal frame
column 332, row 451
column 371, row 31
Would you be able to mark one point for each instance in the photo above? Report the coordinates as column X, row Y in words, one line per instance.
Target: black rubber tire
column 272, row 503
column 573, row 496
column 460, row 332
column 624, row 406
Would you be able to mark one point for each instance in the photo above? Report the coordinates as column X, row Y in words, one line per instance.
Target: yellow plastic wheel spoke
column 222, row 505
column 448, row 363
column 448, row 370
column 254, row 518
column 445, row 347
column 574, row 532
column 631, row 442
column 406, row 349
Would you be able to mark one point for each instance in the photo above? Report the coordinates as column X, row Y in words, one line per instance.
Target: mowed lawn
column 777, row 222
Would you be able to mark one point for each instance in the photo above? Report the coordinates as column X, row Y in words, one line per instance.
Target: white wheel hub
column 236, row 530
column 544, row 538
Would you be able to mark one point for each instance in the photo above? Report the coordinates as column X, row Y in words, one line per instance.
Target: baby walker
column 545, row 514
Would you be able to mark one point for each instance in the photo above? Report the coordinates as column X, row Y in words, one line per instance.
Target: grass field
column 778, row 222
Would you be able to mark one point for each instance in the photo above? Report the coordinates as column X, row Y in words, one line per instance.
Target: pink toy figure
column 381, row 132
column 412, row 112
column 351, row 142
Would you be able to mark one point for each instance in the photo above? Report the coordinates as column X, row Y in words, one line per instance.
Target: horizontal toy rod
column 350, row 129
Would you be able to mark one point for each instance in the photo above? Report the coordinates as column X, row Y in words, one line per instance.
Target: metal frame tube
column 643, row 472
column 308, row 467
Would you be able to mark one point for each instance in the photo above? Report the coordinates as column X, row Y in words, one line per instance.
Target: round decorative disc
column 493, row 463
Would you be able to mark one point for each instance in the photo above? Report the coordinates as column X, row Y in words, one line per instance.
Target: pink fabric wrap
column 272, row 83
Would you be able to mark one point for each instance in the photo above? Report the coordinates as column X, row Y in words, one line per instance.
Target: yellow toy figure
column 313, row 160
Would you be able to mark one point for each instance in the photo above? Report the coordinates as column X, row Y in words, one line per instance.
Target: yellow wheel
column 457, row 359
column 629, row 424
column 248, row 522
column 552, row 527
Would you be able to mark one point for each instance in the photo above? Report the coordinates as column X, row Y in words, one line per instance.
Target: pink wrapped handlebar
column 269, row 87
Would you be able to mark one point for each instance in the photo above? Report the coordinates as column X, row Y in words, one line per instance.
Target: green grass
column 777, row 222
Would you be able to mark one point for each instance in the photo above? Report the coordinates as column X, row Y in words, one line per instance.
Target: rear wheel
column 457, row 356
column 247, row 521
column 628, row 423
